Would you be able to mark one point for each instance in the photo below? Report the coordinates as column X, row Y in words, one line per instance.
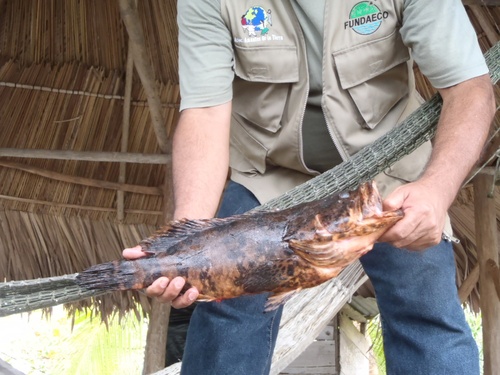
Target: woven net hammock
column 309, row 311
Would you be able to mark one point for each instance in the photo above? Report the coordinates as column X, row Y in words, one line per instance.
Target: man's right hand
column 163, row 289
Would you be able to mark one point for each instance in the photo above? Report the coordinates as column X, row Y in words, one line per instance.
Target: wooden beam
column 487, row 249
column 156, row 339
column 130, row 17
column 489, row 30
column 120, row 195
column 147, row 190
column 494, row 272
column 76, row 206
column 469, row 283
column 115, row 157
column 137, row 103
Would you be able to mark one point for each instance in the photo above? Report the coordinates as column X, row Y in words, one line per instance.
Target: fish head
column 347, row 229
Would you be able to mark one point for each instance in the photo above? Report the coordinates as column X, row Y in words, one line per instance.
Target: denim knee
column 423, row 323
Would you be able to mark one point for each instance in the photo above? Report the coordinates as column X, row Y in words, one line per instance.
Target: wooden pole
column 130, row 17
column 146, row 190
column 156, row 339
column 486, row 25
column 469, row 283
column 126, row 157
column 120, row 195
column 158, row 322
column 487, row 253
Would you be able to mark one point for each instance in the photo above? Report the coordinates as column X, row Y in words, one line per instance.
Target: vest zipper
column 335, row 141
column 342, row 152
column 450, row 238
column 301, row 122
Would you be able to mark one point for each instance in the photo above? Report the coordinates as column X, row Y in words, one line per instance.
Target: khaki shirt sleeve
column 442, row 40
column 205, row 54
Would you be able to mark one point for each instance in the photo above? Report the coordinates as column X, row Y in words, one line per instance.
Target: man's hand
column 466, row 116
column 200, row 162
column 424, row 210
column 163, row 289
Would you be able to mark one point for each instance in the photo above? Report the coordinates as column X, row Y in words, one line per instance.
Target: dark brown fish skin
column 273, row 251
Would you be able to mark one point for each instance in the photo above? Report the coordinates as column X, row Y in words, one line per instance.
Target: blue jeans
column 424, row 328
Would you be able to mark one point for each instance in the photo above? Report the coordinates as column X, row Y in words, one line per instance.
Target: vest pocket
column 247, row 154
column 270, row 64
column 262, row 83
column 375, row 74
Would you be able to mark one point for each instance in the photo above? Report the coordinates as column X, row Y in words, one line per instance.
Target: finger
column 404, row 232
column 422, row 237
column 165, row 291
column 394, row 201
column 133, row 253
column 186, row 299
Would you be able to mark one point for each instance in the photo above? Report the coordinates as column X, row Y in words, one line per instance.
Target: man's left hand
column 424, row 219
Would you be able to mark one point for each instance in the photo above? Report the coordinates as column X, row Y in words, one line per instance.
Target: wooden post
column 156, row 340
column 131, row 19
column 469, row 283
column 120, row 196
column 487, row 252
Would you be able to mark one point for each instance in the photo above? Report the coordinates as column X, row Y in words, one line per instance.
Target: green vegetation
column 57, row 345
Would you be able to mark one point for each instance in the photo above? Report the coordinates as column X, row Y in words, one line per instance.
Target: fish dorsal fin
column 178, row 230
column 276, row 300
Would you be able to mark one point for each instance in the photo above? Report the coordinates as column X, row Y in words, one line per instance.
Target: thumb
column 394, row 201
column 133, row 253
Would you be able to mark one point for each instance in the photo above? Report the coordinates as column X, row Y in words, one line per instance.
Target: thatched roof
column 63, row 79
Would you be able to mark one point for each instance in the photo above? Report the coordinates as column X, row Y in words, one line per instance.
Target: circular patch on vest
column 365, row 18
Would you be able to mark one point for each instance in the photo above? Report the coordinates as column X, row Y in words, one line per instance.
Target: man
column 283, row 91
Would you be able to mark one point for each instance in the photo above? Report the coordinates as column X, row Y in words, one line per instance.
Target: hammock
column 309, row 311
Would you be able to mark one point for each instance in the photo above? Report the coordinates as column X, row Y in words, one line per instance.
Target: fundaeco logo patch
column 256, row 21
column 365, row 18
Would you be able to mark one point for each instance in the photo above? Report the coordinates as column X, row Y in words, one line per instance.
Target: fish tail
column 116, row 275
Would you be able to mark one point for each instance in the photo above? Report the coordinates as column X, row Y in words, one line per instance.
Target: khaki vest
column 368, row 88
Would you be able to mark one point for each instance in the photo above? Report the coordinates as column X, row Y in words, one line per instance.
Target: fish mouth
column 370, row 199
column 366, row 214
column 336, row 244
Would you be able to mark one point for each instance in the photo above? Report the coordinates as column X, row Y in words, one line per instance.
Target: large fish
column 279, row 252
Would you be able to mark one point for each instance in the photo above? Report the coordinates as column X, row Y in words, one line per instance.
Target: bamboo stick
column 138, row 103
column 79, row 207
column 146, row 190
column 126, row 157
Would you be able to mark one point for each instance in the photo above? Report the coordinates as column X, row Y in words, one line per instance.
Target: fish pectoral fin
column 276, row 300
column 318, row 253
